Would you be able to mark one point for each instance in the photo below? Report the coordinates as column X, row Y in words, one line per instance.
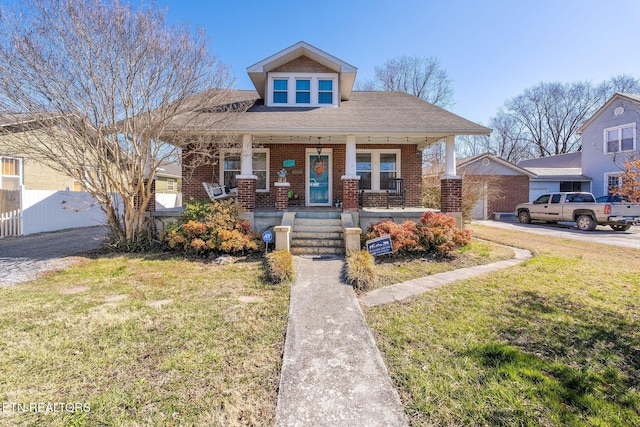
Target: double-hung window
column 376, row 167
column 10, row 173
column 303, row 91
column 280, row 91
column 231, row 168
column 325, row 91
column 621, row 138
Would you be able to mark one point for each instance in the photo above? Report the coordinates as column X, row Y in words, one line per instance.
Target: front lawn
column 163, row 341
column 554, row 341
column 391, row 269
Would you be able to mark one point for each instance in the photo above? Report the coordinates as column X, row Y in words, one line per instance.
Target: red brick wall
column 192, row 180
column 514, row 190
column 350, row 193
column 451, row 195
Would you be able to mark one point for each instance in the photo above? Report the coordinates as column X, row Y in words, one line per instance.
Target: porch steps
column 317, row 233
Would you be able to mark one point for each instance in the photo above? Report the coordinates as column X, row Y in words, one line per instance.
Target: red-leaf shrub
column 436, row 234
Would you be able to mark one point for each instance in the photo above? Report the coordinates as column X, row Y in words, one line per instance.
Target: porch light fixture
column 319, row 147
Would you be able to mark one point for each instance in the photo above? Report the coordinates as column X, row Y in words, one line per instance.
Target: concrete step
column 317, row 228
column 317, row 221
column 336, row 243
column 314, row 235
column 316, row 250
column 319, row 214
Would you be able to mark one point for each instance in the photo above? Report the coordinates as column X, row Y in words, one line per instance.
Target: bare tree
column 546, row 116
column 422, row 77
column 102, row 82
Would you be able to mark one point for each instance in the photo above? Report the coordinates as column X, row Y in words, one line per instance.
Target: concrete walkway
column 332, row 372
column 400, row 291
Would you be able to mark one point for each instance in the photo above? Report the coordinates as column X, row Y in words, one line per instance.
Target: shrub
column 436, row 234
column 360, row 270
column 212, row 227
column 279, row 266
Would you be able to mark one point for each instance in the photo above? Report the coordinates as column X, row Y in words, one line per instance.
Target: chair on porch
column 395, row 193
column 219, row 191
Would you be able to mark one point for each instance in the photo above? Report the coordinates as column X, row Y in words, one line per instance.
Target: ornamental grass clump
column 212, row 227
column 360, row 270
column 279, row 266
column 436, row 235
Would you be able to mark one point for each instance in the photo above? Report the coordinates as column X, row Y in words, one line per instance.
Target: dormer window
column 280, row 91
column 302, row 89
column 325, row 91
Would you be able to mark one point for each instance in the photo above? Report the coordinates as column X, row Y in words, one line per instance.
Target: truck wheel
column 586, row 223
column 524, row 217
column 620, row 227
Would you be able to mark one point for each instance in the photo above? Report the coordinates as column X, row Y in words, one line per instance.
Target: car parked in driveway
column 581, row 208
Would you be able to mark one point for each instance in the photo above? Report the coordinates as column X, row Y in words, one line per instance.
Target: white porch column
column 350, row 156
column 450, row 158
column 246, row 156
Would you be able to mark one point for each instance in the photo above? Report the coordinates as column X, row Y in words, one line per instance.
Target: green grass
column 554, row 341
column 149, row 342
column 394, row 270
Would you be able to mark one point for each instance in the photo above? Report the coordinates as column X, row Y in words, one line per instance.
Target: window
column 303, row 91
column 10, row 173
column 613, row 182
column 376, row 167
column 308, row 89
column 280, row 91
column 542, row 199
column 231, row 168
column 622, row 138
column 325, row 91
column 172, row 184
column 555, row 198
column 363, row 169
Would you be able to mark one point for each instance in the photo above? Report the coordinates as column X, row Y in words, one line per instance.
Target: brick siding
column 514, row 190
column 451, row 195
column 411, row 170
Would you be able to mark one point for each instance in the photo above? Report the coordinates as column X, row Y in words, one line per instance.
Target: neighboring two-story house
column 338, row 146
column 608, row 140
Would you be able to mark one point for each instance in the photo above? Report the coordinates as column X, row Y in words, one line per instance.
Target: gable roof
column 629, row 97
column 566, row 160
column 563, row 167
column 258, row 71
column 466, row 162
column 369, row 114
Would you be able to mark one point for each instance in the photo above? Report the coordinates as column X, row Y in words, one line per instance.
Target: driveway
column 602, row 234
column 24, row 258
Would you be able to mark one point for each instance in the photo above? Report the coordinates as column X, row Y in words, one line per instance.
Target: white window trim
column 619, row 129
column 606, row 181
column 255, row 150
column 291, row 88
column 20, row 171
column 174, row 184
column 375, row 166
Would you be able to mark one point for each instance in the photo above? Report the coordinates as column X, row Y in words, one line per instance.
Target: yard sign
column 380, row 245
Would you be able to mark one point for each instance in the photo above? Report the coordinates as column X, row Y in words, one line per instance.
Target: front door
column 319, row 189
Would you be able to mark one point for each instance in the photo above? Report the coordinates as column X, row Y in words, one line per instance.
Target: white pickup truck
column 580, row 208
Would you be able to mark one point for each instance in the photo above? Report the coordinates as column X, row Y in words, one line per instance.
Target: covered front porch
column 352, row 173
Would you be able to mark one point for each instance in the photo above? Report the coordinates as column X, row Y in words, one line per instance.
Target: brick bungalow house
column 335, row 144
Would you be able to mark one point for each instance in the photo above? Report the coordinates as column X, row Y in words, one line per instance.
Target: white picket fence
column 46, row 210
